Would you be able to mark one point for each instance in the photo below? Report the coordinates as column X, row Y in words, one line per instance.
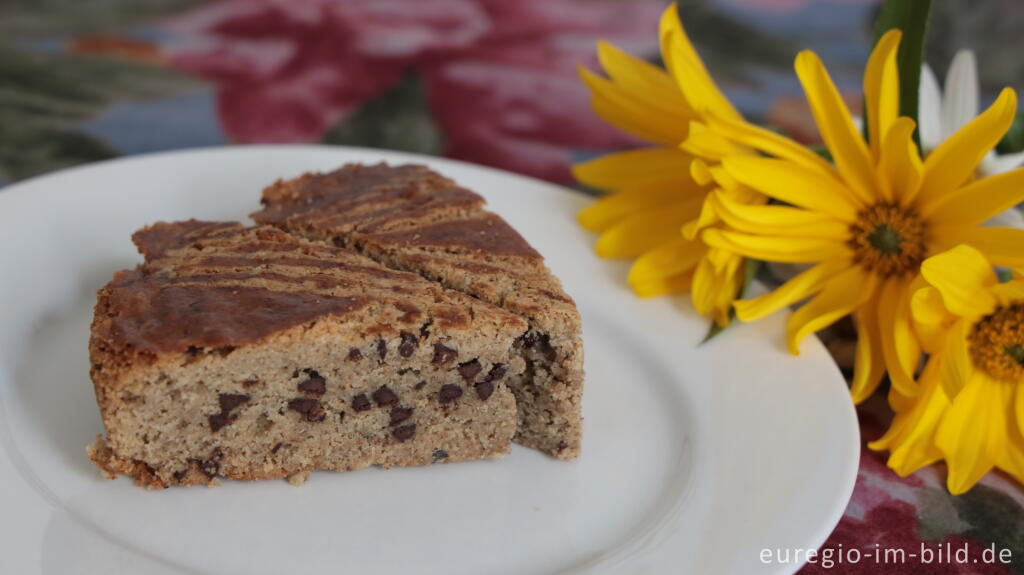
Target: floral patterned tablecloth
column 487, row 81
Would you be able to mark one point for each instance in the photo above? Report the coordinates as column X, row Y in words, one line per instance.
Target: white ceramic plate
column 695, row 457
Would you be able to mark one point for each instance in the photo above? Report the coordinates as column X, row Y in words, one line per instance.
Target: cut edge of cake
column 413, row 219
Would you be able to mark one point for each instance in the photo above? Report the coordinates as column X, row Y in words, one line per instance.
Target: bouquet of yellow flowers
column 889, row 231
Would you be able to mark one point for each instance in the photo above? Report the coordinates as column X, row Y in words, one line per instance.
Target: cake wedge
column 411, row 218
column 250, row 353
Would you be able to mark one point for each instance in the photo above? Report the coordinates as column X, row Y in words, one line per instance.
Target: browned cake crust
column 411, row 218
column 250, row 353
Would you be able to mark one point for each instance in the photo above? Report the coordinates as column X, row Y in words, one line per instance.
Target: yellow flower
column 652, row 194
column 868, row 221
column 973, row 327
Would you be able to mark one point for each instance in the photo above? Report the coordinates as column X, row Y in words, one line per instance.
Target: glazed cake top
column 411, row 217
column 208, row 286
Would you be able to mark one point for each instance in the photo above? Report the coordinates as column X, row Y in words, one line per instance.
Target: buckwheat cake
column 411, row 218
column 251, row 353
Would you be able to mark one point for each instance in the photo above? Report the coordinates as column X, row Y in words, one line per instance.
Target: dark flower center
column 888, row 240
column 997, row 343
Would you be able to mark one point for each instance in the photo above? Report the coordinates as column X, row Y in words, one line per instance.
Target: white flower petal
column 960, row 98
column 993, row 164
column 929, row 110
column 1011, row 218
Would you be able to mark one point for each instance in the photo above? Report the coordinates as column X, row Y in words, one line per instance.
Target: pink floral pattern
column 500, row 76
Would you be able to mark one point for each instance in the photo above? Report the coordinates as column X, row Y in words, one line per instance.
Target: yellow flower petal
column 842, row 295
column 1012, row 460
column 1009, row 292
column 955, row 362
column 645, row 230
column 972, row 434
column 882, row 89
column 1002, row 246
column 777, row 220
column 707, row 217
column 704, row 142
column 701, row 172
column 729, row 184
column 900, row 164
column 715, row 287
column 769, row 143
column 799, row 287
column 899, row 347
column 836, row 126
column 667, row 260
column 931, row 318
column 686, row 67
column 613, row 208
column 793, row 184
column 661, row 286
column 911, row 437
column 621, row 170
column 977, row 201
column 957, row 158
column 963, row 276
column 1019, row 409
column 775, row 249
column 869, row 359
column 621, row 109
column 646, row 83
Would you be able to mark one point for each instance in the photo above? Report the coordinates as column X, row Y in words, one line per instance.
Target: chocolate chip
column 219, row 420
column 420, row 385
column 425, row 330
column 404, row 432
column 354, row 354
column 528, row 339
column 316, row 384
column 303, row 405
column 224, row 351
column 382, row 348
column 469, row 370
column 180, row 475
column 443, row 354
column 449, row 393
column 497, row 372
column 439, row 454
column 276, row 447
column 408, row 345
column 400, row 414
column 385, row 397
column 540, row 343
column 562, row 445
column 361, row 402
column 308, row 407
column 484, row 389
column 229, row 401
column 341, row 415
column 211, row 466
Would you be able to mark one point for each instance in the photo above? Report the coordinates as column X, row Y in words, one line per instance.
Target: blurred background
column 487, row 81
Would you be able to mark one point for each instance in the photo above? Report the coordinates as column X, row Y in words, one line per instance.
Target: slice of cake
column 250, row 353
column 411, row 218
